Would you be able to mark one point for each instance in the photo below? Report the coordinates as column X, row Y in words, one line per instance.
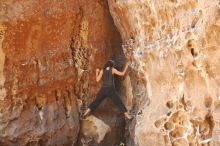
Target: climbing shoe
column 128, row 116
column 82, row 117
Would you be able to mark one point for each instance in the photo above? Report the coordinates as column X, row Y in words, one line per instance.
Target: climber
column 108, row 87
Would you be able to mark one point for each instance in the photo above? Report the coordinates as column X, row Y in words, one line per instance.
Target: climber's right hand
column 97, row 70
column 128, row 62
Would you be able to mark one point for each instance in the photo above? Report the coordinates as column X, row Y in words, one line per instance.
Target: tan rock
column 94, row 127
column 176, row 53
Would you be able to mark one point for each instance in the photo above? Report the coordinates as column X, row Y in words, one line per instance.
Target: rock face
column 175, row 80
column 93, row 127
column 48, row 54
column 49, row 51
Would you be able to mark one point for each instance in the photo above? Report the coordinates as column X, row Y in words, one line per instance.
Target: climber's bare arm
column 98, row 74
column 120, row 73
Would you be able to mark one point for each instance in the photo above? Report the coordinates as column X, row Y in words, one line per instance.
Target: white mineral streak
column 2, row 62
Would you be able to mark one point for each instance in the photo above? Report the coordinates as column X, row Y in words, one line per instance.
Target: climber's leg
column 86, row 112
column 99, row 98
column 115, row 97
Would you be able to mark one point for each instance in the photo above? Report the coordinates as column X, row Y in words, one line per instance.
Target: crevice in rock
column 107, row 114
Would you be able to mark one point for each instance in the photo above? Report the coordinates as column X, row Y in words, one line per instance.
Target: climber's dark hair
column 109, row 63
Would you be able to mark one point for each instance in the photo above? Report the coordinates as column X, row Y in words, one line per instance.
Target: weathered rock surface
column 93, row 130
column 48, row 54
column 175, row 70
column 49, row 51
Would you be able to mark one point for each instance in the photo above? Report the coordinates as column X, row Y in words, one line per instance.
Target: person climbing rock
column 108, row 88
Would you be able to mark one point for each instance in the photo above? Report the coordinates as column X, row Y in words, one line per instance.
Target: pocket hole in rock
column 208, row 102
column 170, row 104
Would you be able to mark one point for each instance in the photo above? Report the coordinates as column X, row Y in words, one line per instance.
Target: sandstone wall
column 175, row 78
column 48, row 54
column 49, row 51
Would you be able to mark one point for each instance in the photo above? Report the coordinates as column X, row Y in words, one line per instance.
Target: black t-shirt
column 108, row 78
